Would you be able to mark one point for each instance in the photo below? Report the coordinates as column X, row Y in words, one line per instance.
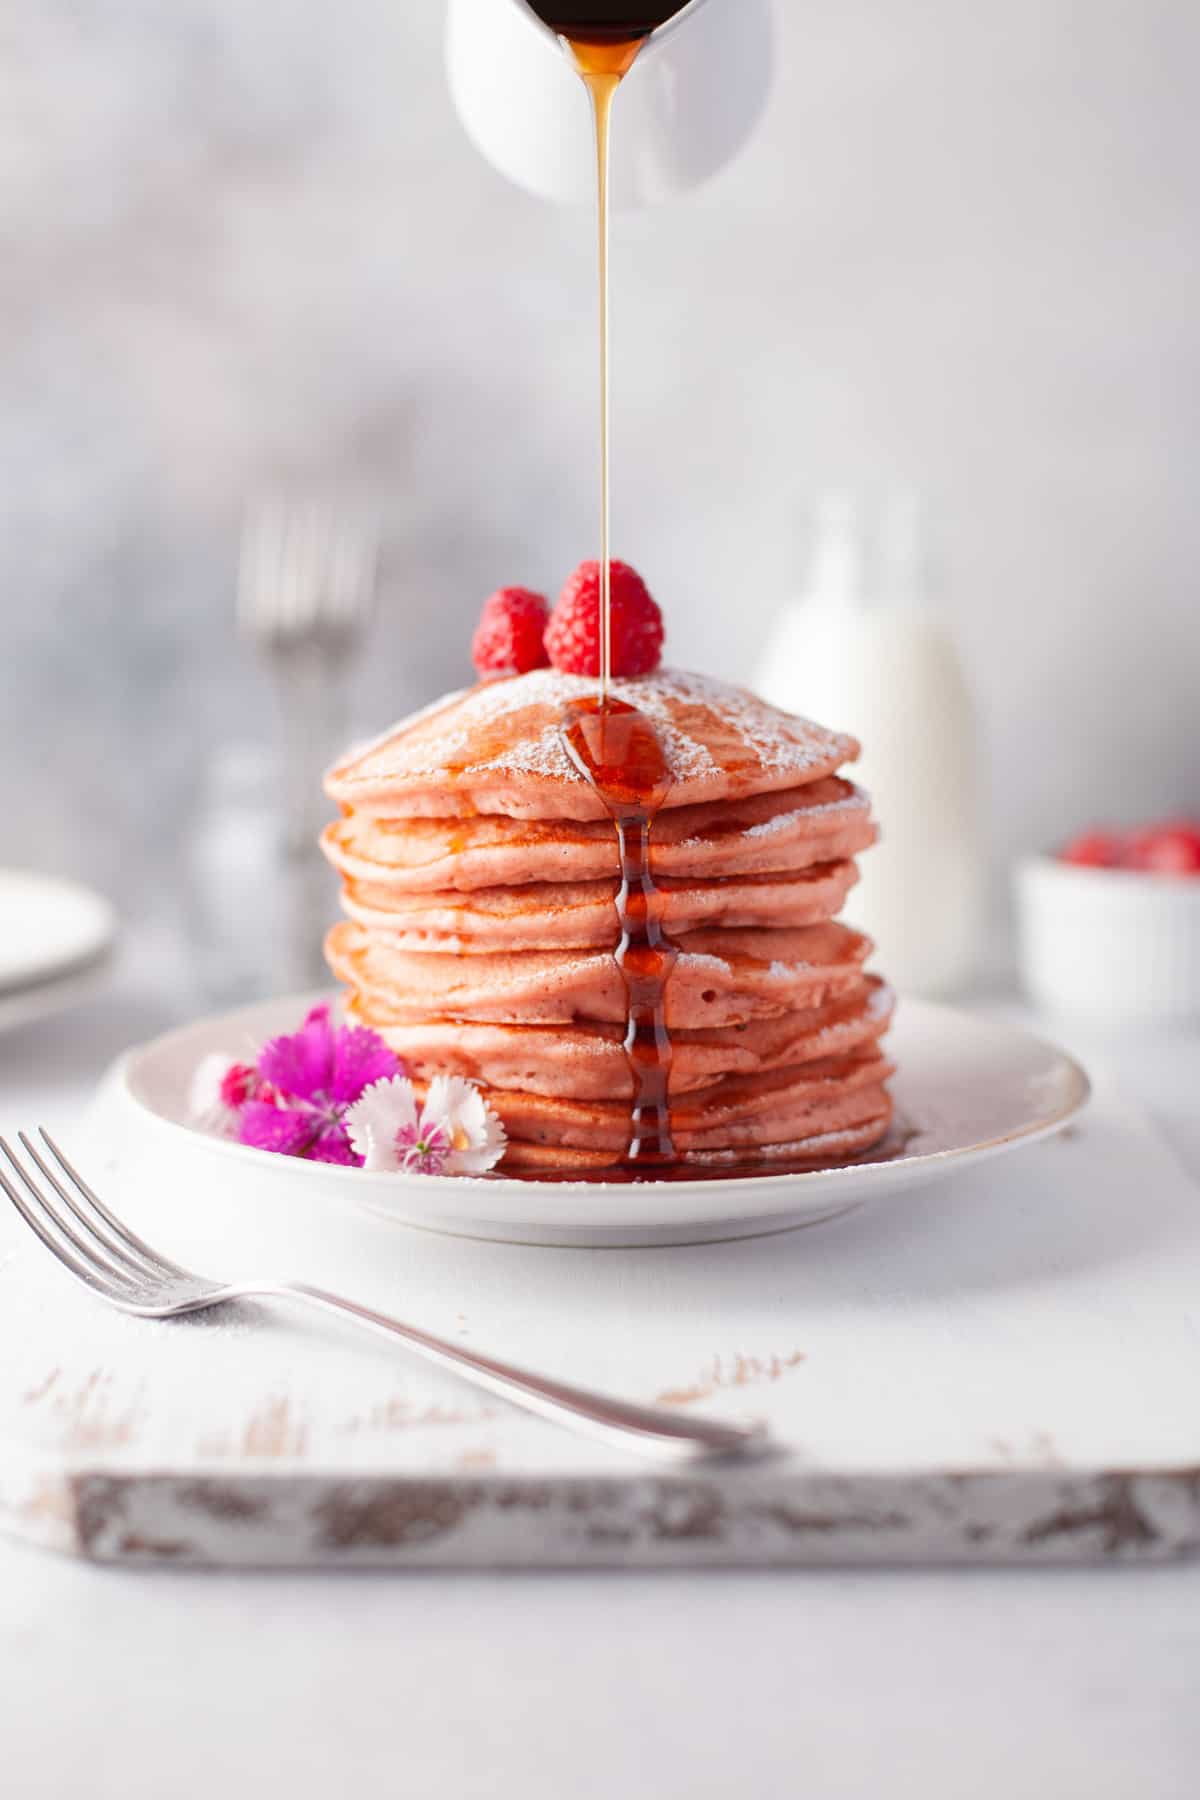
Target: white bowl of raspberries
column 1110, row 925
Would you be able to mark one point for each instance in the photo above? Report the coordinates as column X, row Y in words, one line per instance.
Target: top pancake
column 498, row 748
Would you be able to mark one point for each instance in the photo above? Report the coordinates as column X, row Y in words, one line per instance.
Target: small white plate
column 967, row 1089
column 48, row 929
column 27, row 1006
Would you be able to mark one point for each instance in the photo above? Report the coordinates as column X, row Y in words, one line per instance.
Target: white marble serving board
column 1003, row 1368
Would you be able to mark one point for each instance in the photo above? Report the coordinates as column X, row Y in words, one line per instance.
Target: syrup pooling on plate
column 617, row 750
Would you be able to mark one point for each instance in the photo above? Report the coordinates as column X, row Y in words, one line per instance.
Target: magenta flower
column 310, row 1079
column 339, row 1095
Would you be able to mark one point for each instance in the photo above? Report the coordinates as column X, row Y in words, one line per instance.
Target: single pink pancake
column 742, row 1111
column 588, row 1062
column 721, row 977
column 826, row 821
column 498, row 748
column 825, row 1150
column 582, row 915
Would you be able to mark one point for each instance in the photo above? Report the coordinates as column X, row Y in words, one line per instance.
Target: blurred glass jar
column 256, row 911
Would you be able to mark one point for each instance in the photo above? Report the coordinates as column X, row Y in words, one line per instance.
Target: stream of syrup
column 602, row 39
column 602, row 67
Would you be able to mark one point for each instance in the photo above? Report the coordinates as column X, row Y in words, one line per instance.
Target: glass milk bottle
column 862, row 652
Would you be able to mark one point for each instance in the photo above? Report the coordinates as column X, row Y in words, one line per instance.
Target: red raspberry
column 573, row 634
column 1172, row 848
column 1094, row 850
column 508, row 638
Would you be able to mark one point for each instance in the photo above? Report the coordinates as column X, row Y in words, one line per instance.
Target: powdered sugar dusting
column 703, row 959
column 856, row 801
column 824, row 1146
column 465, row 737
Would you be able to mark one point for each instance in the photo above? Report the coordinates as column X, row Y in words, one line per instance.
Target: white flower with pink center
column 219, row 1089
column 455, row 1131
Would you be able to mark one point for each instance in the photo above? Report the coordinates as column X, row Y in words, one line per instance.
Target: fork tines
column 307, row 573
column 77, row 1227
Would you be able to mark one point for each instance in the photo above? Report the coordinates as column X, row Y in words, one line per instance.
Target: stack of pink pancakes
column 481, row 872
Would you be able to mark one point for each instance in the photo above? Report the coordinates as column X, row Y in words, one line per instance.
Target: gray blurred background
column 250, row 244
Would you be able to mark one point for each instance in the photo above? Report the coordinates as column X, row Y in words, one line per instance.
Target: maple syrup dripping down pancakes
column 481, row 873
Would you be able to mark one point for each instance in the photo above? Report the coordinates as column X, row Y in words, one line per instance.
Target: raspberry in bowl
column 1110, row 925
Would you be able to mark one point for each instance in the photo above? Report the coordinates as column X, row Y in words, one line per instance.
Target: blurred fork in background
column 306, row 597
column 305, row 603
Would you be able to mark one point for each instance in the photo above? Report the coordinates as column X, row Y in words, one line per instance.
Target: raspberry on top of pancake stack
column 482, row 880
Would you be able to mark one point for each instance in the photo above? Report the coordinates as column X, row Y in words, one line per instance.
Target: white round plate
column 48, row 929
column 967, row 1089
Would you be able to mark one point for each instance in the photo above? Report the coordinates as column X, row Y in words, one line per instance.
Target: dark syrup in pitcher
column 605, row 21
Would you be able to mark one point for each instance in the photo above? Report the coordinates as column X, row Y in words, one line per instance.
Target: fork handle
column 623, row 1422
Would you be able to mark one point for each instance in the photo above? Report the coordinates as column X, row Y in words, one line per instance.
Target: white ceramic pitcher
column 686, row 107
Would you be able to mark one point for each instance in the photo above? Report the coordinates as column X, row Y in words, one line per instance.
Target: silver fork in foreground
column 107, row 1257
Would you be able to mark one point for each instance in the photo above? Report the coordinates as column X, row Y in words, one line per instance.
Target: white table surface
column 954, row 1683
